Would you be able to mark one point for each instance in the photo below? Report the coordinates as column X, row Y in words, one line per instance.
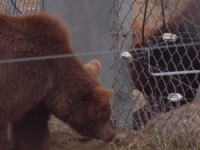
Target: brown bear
column 168, row 56
column 31, row 90
column 32, row 132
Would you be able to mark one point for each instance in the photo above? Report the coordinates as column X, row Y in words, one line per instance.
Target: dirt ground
column 64, row 138
column 175, row 130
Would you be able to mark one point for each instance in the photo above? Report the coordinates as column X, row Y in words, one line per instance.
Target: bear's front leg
column 31, row 132
column 4, row 142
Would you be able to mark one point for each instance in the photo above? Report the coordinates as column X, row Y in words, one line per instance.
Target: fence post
column 123, row 106
column 41, row 5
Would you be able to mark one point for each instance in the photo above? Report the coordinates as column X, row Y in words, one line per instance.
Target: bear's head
column 95, row 122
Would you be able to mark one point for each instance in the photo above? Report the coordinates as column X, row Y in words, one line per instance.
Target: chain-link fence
column 157, row 84
column 17, row 7
column 163, row 68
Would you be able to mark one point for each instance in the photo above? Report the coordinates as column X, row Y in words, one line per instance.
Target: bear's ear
column 94, row 68
column 102, row 95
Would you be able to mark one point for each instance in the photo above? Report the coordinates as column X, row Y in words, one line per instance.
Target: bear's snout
column 107, row 132
column 109, row 136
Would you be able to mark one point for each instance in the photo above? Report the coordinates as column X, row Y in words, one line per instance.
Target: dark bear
column 31, row 90
column 168, row 56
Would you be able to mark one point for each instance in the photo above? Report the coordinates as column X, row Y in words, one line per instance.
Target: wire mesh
column 158, row 67
column 18, row 7
column 158, row 123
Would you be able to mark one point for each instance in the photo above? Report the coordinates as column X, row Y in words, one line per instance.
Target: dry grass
column 176, row 130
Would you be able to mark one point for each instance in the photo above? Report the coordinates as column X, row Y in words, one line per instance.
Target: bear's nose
column 109, row 137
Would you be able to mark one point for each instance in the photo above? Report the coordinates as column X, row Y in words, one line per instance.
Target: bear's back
column 24, row 84
column 32, row 35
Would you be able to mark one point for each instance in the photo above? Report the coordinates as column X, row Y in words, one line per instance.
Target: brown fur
column 32, row 131
column 61, row 86
column 26, row 134
column 94, row 68
column 157, row 88
column 137, row 36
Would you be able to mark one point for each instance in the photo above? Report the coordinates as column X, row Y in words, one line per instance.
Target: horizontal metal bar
column 175, row 72
column 169, row 73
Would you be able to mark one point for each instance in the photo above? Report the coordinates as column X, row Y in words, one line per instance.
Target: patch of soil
column 65, row 138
